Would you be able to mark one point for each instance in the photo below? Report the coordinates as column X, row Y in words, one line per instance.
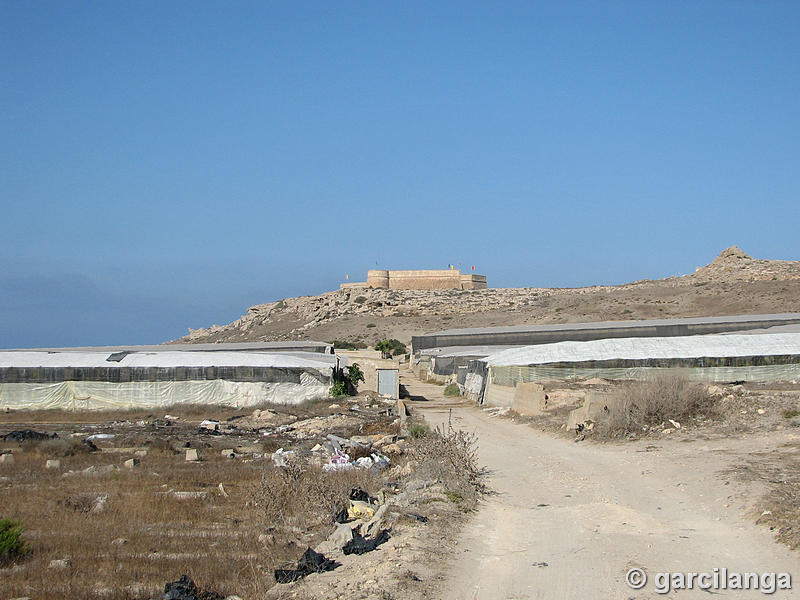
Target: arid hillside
column 733, row 283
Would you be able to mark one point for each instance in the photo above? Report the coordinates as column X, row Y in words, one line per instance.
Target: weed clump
column 452, row 390
column 12, row 546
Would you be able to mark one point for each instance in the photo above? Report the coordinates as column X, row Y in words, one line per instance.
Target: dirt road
column 569, row 520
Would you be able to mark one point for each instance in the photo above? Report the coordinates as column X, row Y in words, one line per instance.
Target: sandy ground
column 569, row 520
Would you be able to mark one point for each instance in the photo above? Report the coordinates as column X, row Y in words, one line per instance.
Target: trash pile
column 331, row 455
column 358, row 532
column 23, row 435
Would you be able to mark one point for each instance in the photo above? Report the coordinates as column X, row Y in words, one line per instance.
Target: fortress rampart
column 442, row 279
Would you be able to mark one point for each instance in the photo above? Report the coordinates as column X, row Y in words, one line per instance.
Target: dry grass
column 637, row 406
column 215, row 539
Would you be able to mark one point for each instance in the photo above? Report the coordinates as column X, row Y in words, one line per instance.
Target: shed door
column 387, row 382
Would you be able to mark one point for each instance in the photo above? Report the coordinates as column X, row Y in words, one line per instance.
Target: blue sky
column 165, row 165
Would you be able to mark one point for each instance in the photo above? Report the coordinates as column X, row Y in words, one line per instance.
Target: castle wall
column 432, row 279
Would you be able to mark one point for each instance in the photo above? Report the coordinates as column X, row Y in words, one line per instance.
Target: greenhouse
column 123, row 379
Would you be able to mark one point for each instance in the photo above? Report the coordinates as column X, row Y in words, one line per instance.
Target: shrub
column 348, row 384
column 449, row 457
column 354, row 376
column 652, row 402
column 418, row 430
column 12, row 546
column 371, row 325
column 452, row 390
column 392, row 347
column 348, row 345
column 339, row 388
column 360, row 300
column 791, row 413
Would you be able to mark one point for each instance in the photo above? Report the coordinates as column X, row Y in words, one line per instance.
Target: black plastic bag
column 310, row 562
column 360, row 545
column 185, row 589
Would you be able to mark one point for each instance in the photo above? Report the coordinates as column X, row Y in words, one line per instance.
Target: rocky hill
column 734, row 283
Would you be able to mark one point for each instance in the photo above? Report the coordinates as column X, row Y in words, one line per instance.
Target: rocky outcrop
column 733, row 264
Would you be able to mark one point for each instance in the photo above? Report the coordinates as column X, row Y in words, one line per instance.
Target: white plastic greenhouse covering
column 165, row 359
column 776, row 358
column 100, row 395
column 693, row 346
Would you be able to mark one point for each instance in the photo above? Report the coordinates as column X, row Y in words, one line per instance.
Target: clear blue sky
column 165, row 165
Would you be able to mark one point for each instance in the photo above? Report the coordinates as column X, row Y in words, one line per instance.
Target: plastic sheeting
column 166, row 359
column 512, row 376
column 100, row 395
column 682, row 347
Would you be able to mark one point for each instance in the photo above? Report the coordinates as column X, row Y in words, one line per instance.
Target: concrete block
column 400, row 410
column 595, row 407
column 7, row 458
column 192, row 455
column 131, row 463
column 530, row 399
column 52, row 464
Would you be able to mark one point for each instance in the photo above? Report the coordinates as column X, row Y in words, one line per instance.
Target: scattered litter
column 221, row 489
column 279, row 457
column 52, row 464
column 675, row 424
column 22, row 435
column 185, row 589
column 310, row 562
column 360, row 510
column 338, row 462
column 417, row 517
column 539, row 564
column 360, row 545
column 361, row 495
column 211, row 427
column 342, row 516
column 101, row 436
column 341, row 536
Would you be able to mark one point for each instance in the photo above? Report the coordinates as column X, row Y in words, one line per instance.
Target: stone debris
column 131, row 463
column 60, row 564
column 192, row 455
column 7, row 458
column 52, row 463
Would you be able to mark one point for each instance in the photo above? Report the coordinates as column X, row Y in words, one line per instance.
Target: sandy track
column 591, row 512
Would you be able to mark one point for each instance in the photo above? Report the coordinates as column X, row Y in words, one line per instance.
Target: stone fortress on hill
column 442, row 279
